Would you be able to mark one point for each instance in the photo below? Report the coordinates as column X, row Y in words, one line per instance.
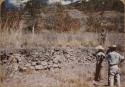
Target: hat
column 99, row 47
column 113, row 46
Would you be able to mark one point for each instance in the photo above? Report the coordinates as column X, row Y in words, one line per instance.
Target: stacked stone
column 46, row 58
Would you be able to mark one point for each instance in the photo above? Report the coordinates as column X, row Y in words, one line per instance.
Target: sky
column 11, row 4
column 17, row 3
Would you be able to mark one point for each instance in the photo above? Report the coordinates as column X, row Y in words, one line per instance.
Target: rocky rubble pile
column 45, row 58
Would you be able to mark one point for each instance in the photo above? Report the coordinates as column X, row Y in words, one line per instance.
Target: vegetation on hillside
column 100, row 5
column 60, row 20
column 36, row 18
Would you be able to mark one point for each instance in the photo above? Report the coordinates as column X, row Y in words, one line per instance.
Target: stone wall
column 45, row 58
column 50, row 64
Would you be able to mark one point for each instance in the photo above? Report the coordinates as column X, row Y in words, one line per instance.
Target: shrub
column 62, row 23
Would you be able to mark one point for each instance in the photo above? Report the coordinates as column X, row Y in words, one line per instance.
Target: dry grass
column 20, row 40
column 76, row 85
column 2, row 74
column 20, row 85
column 17, row 39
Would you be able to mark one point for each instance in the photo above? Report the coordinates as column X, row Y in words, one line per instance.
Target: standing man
column 114, row 59
column 100, row 56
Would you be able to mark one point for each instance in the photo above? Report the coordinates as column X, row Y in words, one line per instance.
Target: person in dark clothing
column 100, row 56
